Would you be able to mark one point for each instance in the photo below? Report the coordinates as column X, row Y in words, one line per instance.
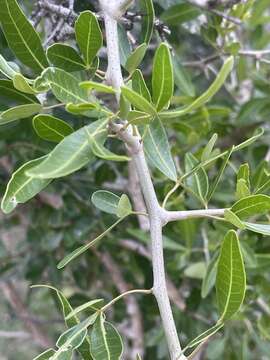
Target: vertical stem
column 111, row 10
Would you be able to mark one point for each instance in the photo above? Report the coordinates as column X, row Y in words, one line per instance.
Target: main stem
column 114, row 76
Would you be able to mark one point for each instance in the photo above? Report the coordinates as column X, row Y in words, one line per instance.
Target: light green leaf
column 8, row 91
column 76, row 341
column 139, row 118
column 80, row 250
column 88, row 36
column 263, row 229
column 162, row 77
column 65, row 57
column 124, row 207
column 100, row 151
column 180, row 13
column 46, row 355
column 89, row 304
column 22, row 84
column 157, row 149
column 242, row 189
column 209, row 147
column 139, row 85
column 198, row 182
column 79, row 332
column 21, row 36
column 106, row 201
column 21, row 187
column 92, row 85
column 70, row 321
column 244, row 173
column 81, row 108
column 106, row 343
column 206, row 96
column 210, row 276
column 51, row 128
column 65, row 86
column 147, row 9
column 135, row 58
column 19, row 112
column 234, row 219
column 5, row 68
column 251, row 205
column 138, row 101
column 196, row 270
column 231, row 277
column 71, row 154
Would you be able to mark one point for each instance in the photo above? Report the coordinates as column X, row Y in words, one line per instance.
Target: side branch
column 168, row 216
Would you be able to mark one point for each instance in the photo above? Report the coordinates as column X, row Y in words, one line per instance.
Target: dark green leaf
column 8, row 91
column 51, row 128
column 21, row 36
column 105, row 201
column 148, row 12
column 65, row 57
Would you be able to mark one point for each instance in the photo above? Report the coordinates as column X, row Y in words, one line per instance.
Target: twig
column 169, row 216
column 133, row 310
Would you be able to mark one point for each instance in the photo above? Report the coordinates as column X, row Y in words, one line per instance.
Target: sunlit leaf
column 138, row 101
column 251, row 205
column 124, row 207
column 19, row 112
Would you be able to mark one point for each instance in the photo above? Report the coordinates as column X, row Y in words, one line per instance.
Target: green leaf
column 8, row 91
column 65, row 57
column 21, row 36
column 231, row 277
column 244, row 173
column 80, row 250
column 6, row 69
column 196, row 270
column 139, row 85
column 139, row 118
column 76, row 333
column 51, row 128
column 88, row 36
column 204, row 336
column 21, row 187
column 210, row 277
column 162, row 77
column 182, row 78
column 46, row 355
column 207, row 151
column 92, row 85
column 242, row 189
column 20, row 83
column 19, row 112
column 65, row 86
column 124, row 44
column 135, row 58
column 180, row 13
column 138, row 101
column 71, row 154
column 70, row 321
column 106, row 201
column 82, row 108
column 157, row 149
column 76, row 341
column 124, row 207
column 106, row 343
column 234, row 219
column 251, row 205
column 214, row 185
column 198, row 182
column 206, row 96
column 147, row 9
column 89, row 304
column 263, row 229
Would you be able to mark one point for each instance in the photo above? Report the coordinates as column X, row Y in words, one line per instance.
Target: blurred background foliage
column 37, row 235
